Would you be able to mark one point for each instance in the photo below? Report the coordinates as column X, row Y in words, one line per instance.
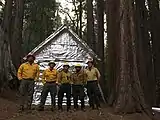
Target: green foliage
column 41, row 18
column 73, row 20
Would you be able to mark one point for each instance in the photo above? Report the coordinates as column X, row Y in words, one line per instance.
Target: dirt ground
column 8, row 111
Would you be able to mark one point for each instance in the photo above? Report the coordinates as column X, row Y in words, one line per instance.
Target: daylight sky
column 65, row 4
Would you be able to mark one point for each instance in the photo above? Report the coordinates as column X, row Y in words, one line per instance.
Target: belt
column 66, row 84
column 50, row 81
column 29, row 79
column 92, row 81
column 77, row 85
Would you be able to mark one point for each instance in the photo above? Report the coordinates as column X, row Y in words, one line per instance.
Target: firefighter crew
column 79, row 81
column 28, row 73
column 49, row 80
column 93, row 77
column 64, row 81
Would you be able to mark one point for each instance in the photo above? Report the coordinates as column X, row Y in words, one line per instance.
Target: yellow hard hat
column 66, row 64
column 78, row 65
column 51, row 62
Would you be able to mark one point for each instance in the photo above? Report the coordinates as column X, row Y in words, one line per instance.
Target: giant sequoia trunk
column 144, row 52
column 17, row 33
column 80, row 18
column 90, row 26
column 100, row 33
column 6, row 66
column 112, row 36
column 154, row 12
column 129, row 95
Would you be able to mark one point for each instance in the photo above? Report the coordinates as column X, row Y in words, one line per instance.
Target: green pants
column 93, row 93
column 48, row 87
column 26, row 92
column 78, row 94
column 64, row 88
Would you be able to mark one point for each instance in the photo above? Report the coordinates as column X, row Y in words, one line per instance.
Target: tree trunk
column 6, row 66
column 7, row 19
column 80, row 18
column 129, row 97
column 100, row 20
column 154, row 12
column 16, row 42
column 90, row 26
column 144, row 53
column 112, row 36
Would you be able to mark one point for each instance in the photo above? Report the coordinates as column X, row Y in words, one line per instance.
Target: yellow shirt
column 64, row 77
column 49, row 75
column 79, row 78
column 92, row 74
column 28, row 71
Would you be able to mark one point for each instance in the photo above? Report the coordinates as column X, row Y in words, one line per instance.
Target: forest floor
column 8, row 111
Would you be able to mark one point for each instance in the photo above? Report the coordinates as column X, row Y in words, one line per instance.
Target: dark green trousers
column 78, row 94
column 48, row 88
column 93, row 93
column 26, row 92
column 64, row 88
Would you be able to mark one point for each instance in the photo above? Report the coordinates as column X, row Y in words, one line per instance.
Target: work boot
column 75, row 107
column 53, row 109
column 68, row 109
column 40, row 108
column 29, row 107
column 83, row 109
column 60, row 109
column 98, row 107
column 21, row 108
column 92, row 107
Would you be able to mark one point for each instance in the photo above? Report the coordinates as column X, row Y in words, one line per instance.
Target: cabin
column 63, row 45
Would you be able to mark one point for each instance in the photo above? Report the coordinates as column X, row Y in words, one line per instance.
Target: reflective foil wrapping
column 62, row 46
column 37, row 94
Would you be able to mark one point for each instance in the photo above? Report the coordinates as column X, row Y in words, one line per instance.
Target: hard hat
column 51, row 62
column 31, row 55
column 66, row 64
column 78, row 65
column 90, row 60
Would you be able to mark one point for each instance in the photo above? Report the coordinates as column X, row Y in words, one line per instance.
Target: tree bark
column 16, row 42
column 129, row 97
column 144, row 53
column 90, row 26
column 6, row 26
column 100, row 22
column 80, row 18
column 154, row 12
column 6, row 66
column 112, row 36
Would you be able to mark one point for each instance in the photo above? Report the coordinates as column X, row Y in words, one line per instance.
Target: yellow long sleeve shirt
column 92, row 74
column 49, row 75
column 79, row 78
column 28, row 71
column 64, row 77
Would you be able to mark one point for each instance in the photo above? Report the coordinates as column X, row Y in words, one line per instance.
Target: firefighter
column 49, row 79
column 64, row 81
column 79, row 81
column 93, row 77
column 28, row 73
